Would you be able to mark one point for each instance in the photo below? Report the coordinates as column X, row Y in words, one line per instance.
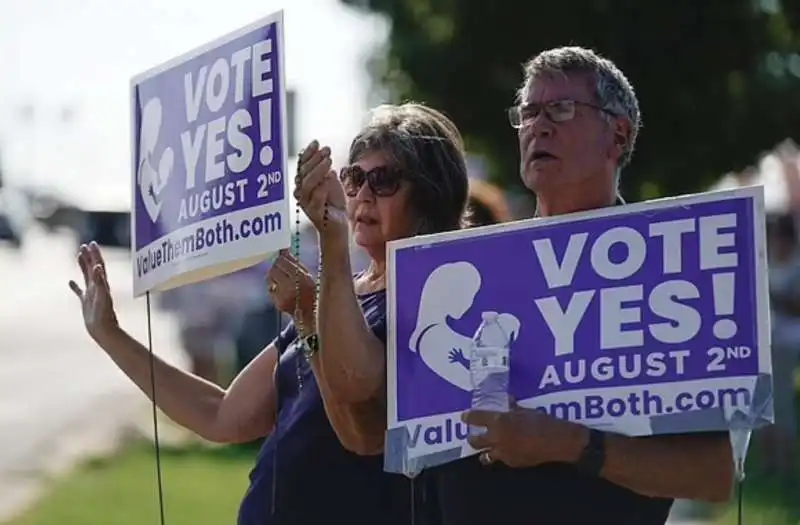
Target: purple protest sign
column 641, row 319
column 209, row 159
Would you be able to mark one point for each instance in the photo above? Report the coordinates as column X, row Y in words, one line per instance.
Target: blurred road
column 60, row 396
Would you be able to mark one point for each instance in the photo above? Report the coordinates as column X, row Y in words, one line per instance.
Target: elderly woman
column 405, row 175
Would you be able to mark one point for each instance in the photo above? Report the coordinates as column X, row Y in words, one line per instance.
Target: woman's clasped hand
column 319, row 192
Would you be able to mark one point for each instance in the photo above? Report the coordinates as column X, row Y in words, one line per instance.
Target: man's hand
column 692, row 466
column 525, row 438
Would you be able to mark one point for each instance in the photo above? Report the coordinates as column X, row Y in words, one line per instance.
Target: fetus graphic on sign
column 151, row 180
column 449, row 293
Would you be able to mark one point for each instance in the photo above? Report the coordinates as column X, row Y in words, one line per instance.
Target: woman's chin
column 359, row 238
column 368, row 240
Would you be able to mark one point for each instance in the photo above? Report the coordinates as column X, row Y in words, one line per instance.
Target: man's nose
column 542, row 132
column 534, row 131
column 541, row 126
column 536, row 128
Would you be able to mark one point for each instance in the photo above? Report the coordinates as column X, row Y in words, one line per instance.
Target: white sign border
column 276, row 18
column 754, row 193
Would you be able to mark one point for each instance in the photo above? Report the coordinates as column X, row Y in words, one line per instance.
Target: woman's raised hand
column 95, row 296
column 317, row 187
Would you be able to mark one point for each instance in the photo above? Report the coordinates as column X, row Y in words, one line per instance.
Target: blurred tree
column 718, row 80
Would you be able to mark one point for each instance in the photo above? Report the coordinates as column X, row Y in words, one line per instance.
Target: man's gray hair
column 613, row 92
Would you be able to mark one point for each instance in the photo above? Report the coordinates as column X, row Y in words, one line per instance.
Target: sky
column 81, row 54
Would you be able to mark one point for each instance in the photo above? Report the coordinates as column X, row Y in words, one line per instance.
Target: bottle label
column 489, row 362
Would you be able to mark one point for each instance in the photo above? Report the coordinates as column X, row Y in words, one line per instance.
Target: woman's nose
column 365, row 193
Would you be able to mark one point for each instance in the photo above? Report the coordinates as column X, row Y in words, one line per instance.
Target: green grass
column 202, row 485
column 764, row 504
column 764, row 501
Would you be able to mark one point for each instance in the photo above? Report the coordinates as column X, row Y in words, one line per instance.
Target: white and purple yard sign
column 209, row 160
column 649, row 318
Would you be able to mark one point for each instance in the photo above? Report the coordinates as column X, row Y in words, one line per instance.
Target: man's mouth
column 542, row 155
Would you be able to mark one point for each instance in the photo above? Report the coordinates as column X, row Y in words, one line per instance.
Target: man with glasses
column 577, row 122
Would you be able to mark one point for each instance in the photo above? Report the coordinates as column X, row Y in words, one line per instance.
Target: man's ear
column 622, row 132
column 621, row 140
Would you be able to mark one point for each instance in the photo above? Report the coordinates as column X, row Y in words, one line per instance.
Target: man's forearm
column 351, row 358
column 691, row 466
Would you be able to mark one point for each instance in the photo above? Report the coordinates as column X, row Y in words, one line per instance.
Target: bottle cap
column 489, row 316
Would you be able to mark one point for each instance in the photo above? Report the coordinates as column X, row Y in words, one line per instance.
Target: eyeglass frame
column 517, row 111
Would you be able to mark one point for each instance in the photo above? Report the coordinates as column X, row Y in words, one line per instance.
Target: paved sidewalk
column 61, row 397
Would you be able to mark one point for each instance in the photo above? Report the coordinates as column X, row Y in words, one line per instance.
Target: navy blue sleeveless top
column 317, row 481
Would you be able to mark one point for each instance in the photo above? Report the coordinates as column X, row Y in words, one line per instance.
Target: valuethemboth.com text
column 173, row 249
column 590, row 410
column 645, row 403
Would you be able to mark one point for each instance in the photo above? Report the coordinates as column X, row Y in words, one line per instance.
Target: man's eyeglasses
column 555, row 111
column 383, row 181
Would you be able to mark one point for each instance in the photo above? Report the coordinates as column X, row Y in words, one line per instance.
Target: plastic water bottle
column 489, row 367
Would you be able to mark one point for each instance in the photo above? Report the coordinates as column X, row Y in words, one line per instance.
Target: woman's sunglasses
column 383, row 181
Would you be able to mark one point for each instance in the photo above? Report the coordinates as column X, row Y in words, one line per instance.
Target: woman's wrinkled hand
column 317, row 187
column 285, row 279
column 96, row 302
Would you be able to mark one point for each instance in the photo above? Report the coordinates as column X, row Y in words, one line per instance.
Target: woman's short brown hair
column 427, row 146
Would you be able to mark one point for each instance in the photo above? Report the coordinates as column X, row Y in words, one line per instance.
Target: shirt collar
column 619, row 202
